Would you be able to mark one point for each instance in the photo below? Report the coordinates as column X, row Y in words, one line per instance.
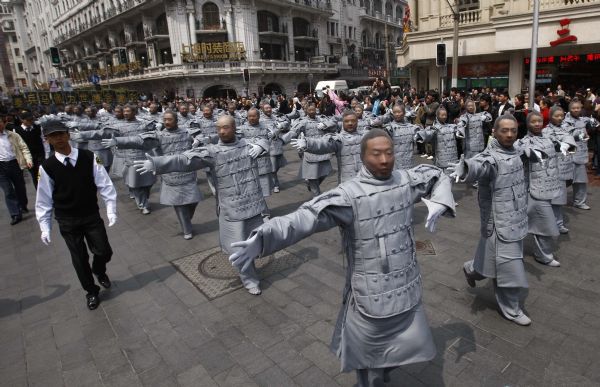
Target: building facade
column 202, row 47
column 495, row 41
column 12, row 68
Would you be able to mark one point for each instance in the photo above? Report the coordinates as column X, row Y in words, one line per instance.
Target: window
column 13, row 38
column 20, row 66
column 468, row 5
column 17, row 52
column 210, row 16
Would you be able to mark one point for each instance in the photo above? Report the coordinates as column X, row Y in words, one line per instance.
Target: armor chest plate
column 403, row 138
column 543, row 176
column 445, row 146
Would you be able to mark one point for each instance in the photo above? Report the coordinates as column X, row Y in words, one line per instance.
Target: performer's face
column 575, row 109
column 471, row 107
column 350, row 123
column 398, row 114
column 557, row 117
column 119, row 113
column 379, row 157
column 253, row 117
column 226, row 131
column 170, row 121
column 506, row 134
column 535, row 125
column 359, row 111
column 267, row 109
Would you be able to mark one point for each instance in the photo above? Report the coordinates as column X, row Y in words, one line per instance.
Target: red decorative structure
column 563, row 33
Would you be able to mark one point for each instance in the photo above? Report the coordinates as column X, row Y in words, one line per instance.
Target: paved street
column 154, row 328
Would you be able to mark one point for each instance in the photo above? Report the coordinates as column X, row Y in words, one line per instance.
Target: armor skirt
column 541, row 220
column 235, row 231
column 278, row 162
column 179, row 195
column 117, row 168
column 315, row 170
column 363, row 342
column 580, row 174
column 561, row 196
column 266, row 184
column 495, row 258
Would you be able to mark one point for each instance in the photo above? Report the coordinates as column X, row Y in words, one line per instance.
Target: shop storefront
column 572, row 71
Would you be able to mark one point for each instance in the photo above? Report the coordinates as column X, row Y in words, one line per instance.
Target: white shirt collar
column 72, row 156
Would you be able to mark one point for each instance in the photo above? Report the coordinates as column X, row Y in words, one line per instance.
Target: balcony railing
column 465, row 17
column 379, row 16
column 210, row 25
column 135, row 71
column 109, row 13
column 320, row 4
column 554, row 4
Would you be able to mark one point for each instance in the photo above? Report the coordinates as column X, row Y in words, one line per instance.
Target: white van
column 337, row 85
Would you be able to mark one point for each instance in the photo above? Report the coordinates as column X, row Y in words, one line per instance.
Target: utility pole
column 533, row 56
column 387, row 52
column 456, row 17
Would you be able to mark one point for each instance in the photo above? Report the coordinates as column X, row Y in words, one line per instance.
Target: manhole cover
column 217, row 266
column 211, row 272
column 425, row 247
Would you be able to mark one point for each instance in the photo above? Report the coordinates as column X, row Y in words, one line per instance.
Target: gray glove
column 144, row 166
column 109, row 143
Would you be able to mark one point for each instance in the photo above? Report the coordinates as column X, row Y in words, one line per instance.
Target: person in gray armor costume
column 345, row 145
column 184, row 118
column 503, row 211
column 72, row 119
column 443, row 137
column 153, row 115
column 177, row 189
column 579, row 130
column 255, row 132
column 315, row 168
column 206, row 126
column 139, row 185
column 364, row 123
column 93, row 122
column 382, row 322
column 240, row 202
column 277, row 125
column 403, row 135
column 232, row 111
column 541, row 177
column 470, row 127
column 559, row 131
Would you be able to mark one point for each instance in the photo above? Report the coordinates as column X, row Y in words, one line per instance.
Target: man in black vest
column 69, row 181
column 32, row 135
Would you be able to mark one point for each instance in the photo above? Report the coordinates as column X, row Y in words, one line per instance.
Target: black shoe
column 25, row 210
column 16, row 219
column 470, row 280
column 92, row 301
column 104, row 281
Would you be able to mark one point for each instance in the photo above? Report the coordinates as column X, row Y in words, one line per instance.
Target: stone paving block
column 160, row 375
column 575, row 355
column 231, row 336
column 273, row 377
column 97, row 332
column 287, row 358
column 322, row 331
column 313, row 376
column 108, row 357
column 326, row 311
column 260, row 334
column 399, row 378
column 234, row 377
column 282, row 283
column 74, row 354
column 142, row 355
column 299, row 313
column 196, row 376
column 84, row 375
column 250, row 357
column 269, row 314
column 557, row 375
column 47, row 378
column 214, row 358
column 322, row 357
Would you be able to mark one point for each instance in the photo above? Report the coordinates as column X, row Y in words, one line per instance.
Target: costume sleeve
column 323, row 145
column 327, row 210
column 43, row 201
column 425, row 135
column 144, row 141
column 477, row 167
column 188, row 161
column 99, row 134
column 428, row 180
column 106, row 189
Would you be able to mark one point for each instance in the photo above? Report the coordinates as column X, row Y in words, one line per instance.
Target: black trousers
column 13, row 185
column 34, row 171
column 76, row 232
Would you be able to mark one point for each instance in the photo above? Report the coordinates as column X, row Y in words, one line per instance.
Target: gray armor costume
column 443, row 137
column 541, row 177
column 105, row 155
column 259, row 134
column 315, row 168
column 403, row 136
column 382, row 323
column 578, row 129
column 277, row 125
column 208, row 131
column 178, row 189
column 503, row 206
column 139, row 185
column 565, row 169
column 470, row 127
column 346, row 146
column 240, row 202
column 185, row 121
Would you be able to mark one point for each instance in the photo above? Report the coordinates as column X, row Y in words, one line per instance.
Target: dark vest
column 33, row 139
column 75, row 191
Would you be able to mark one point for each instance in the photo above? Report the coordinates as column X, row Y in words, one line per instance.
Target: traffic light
column 54, row 56
column 440, row 59
column 246, row 76
column 123, row 56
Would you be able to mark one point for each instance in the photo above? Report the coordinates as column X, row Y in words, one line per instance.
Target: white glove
column 299, row 143
column 144, row 166
column 435, row 210
column 459, row 135
column 458, row 169
column 109, row 143
column 538, row 155
column 75, row 136
column 279, row 125
column 112, row 219
column 197, row 142
column 46, row 238
column 71, row 124
column 255, row 150
column 321, row 126
column 418, row 139
column 564, row 148
column 249, row 250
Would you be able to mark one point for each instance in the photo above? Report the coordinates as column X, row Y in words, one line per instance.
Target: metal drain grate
column 425, row 247
column 211, row 272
